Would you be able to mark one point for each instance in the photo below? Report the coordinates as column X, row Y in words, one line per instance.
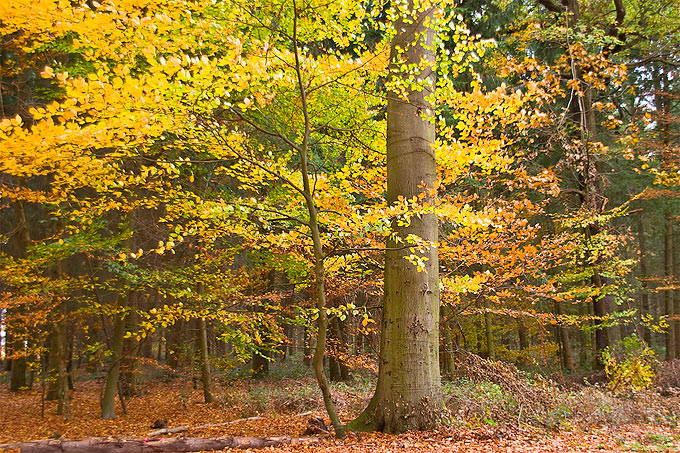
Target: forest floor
column 282, row 406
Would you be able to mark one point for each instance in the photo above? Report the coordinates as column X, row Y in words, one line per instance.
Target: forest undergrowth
column 490, row 406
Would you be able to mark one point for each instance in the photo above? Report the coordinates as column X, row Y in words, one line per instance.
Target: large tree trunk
column 169, row 444
column 408, row 393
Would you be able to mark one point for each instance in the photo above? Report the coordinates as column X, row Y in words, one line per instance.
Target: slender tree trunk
column 600, row 312
column 205, row 361
column 173, row 345
column 52, row 367
column 337, row 366
column 62, row 379
column 676, row 295
column 108, row 402
column 130, row 373
column 408, row 393
column 644, row 273
column 488, row 334
column 585, row 339
column 567, row 355
column 317, row 246
column 668, row 294
column 590, row 182
column 21, row 240
column 449, row 365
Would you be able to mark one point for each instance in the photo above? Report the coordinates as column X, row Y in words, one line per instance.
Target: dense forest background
column 202, row 189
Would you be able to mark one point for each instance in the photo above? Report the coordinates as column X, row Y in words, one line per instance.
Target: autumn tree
column 408, row 392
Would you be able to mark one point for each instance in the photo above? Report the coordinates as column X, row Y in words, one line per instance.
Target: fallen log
column 167, row 444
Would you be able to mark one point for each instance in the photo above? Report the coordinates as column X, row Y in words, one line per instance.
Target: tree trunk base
column 396, row 417
column 170, row 444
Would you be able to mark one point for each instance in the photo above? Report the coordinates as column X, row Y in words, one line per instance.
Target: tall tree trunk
column 173, row 345
column 21, row 240
column 108, row 402
column 585, row 339
column 340, row 329
column 488, row 334
column 408, row 393
column 600, row 312
column 644, row 274
column 567, row 355
column 205, row 361
column 589, row 178
column 676, row 295
column 62, row 377
column 449, row 362
column 130, row 373
column 668, row 294
column 317, row 246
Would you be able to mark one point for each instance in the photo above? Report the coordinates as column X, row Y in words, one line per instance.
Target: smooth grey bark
column 408, row 394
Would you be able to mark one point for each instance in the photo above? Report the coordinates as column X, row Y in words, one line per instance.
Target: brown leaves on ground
column 180, row 404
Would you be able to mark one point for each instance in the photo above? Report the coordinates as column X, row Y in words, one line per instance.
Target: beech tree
column 408, row 393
